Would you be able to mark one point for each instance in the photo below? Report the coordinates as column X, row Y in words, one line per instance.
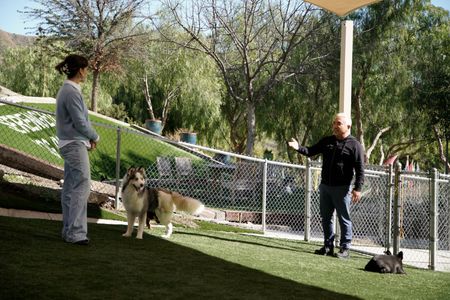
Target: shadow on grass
column 36, row 264
column 275, row 246
column 12, row 196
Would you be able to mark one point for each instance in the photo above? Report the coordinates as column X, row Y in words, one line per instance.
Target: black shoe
column 82, row 242
column 325, row 251
column 343, row 253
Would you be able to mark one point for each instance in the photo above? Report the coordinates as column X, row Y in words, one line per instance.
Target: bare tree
column 249, row 41
column 100, row 29
column 171, row 93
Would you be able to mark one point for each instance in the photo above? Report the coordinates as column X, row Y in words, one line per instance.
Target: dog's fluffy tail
column 187, row 204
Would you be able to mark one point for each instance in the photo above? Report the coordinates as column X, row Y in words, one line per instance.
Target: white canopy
column 341, row 7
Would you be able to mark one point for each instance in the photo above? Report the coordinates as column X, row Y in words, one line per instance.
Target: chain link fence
column 399, row 210
column 444, row 212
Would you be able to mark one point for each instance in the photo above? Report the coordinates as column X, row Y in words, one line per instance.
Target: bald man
column 342, row 156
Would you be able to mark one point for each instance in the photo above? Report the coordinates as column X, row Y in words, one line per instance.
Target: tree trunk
column 166, row 104
column 381, row 154
column 148, row 98
column 236, row 118
column 237, row 139
column 442, row 156
column 357, row 99
column 165, row 111
column 237, row 143
column 95, row 86
column 251, row 128
column 375, row 141
column 358, row 117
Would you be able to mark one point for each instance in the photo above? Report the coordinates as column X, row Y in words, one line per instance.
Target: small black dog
column 152, row 206
column 386, row 263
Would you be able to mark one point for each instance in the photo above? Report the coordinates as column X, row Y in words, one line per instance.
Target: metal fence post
column 434, row 218
column 390, row 187
column 116, row 202
column 397, row 187
column 264, row 198
column 308, row 200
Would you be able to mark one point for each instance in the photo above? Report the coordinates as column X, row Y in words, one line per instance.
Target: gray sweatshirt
column 72, row 119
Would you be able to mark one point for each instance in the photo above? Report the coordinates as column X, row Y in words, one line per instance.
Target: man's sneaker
column 343, row 253
column 325, row 251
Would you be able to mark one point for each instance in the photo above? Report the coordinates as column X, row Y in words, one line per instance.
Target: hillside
column 8, row 40
column 7, row 94
column 32, row 133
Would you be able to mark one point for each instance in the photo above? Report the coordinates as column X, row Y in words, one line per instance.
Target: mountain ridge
column 9, row 40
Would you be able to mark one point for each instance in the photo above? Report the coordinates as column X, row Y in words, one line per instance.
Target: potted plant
column 188, row 136
column 154, row 124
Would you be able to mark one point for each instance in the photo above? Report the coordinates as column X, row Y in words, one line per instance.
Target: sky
column 14, row 22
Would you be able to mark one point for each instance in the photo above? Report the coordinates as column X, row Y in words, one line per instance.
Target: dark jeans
column 336, row 198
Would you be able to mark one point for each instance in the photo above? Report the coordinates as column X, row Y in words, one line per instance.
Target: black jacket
column 340, row 159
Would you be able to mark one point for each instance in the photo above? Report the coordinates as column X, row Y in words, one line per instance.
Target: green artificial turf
column 193, row 264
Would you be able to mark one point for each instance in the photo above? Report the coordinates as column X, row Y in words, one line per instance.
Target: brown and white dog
column 141, row 201
column 135, row 199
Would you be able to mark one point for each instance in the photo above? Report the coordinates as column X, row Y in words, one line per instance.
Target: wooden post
column 345, row 81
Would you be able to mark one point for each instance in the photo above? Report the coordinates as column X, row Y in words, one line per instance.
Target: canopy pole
column 345, row 81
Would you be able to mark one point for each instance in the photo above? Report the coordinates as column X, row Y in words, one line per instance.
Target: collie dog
column 163, row 203
column 135, row 199
column 143, row 202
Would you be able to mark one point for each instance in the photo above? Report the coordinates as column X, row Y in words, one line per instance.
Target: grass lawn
column 193, row 264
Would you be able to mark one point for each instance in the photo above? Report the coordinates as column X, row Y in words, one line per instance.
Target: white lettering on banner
column 44, row 143
column 55, row 141
column 40, row 119
column 18, row 120
column 32, row 121
column 27, row 122
column 44, row 120
column 9, row 121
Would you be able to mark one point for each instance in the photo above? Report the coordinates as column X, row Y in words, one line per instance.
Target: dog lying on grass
column 386, row 263
column 144, row 203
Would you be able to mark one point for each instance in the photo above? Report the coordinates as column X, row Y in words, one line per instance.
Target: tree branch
column 441, row 147
column 375, row 141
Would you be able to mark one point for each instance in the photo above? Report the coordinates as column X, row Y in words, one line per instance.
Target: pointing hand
column 293, row 144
